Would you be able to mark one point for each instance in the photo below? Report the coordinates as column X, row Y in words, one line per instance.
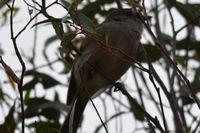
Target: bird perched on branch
column 103, row 62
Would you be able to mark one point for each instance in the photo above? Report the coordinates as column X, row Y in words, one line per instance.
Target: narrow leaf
column 87, row 23
column 50, row 20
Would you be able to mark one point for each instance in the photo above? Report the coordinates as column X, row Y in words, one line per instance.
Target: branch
column 16, row 49
column 165, row 54
column 119, row 4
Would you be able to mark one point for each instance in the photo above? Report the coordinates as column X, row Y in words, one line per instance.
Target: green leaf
column 1, row 51
column 6, row 14
column 73, row 13
column 68, row 62
column 49, row 20
column 3, row 3
column 30, row 85
column 9, row 124
column 190, row 11
column 46, row 80
column 58, row 29
column 136, row 112
column 44, row 107
column 153, row 52
column 135, row 3
column 67, row 39
column 185, row 94
column 56, row 23
column 186, row 44
column 196, row 81
column 49, row 41
column 93, row 8
column 86, row 23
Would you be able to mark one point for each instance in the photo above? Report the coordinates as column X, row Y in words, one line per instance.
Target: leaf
column 30, row 85
column 65, row 52
column 136, row 112
column 67, row 39
column 44, row 107
column 49, row 41
column 135, row 3
column 153, row 52
column 73, row 13
column 3, row 3
column 1, row 51
column 49, row 20
column 46, row 80
column 9, row 124
column 15, row 11
column 56, row 23
column 6, row 14
column 79, row 18
column 58, row 29
column 67, row 61
column 186, row 44
column 93, row 8
column 9, row 71
column 86, row 23
column 190, row 11
column 196, row 81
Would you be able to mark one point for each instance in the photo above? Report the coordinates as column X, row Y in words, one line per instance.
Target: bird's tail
column 74, row 116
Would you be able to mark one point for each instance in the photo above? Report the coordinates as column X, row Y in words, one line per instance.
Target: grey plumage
column 124, row 31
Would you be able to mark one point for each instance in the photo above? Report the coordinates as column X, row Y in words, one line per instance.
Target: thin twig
column 165, row 54
column 154, row 120
column 161, row 104
column 186, row 25
column 99, row 115
column 27, row 24
column 172, row 101
column 20, row 84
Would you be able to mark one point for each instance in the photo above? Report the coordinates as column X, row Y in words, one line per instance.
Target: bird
column 123, row 30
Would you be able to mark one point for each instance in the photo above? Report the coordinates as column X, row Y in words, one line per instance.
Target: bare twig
column 27, row 24
column 20, row 84
column 172, row 101
column 165, row 54
column 161, row 104
column 14, row 41
column 99, row 115
column 186, row 25
column 154, row 120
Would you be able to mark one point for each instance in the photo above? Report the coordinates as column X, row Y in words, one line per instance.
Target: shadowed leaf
column 136, row 112
column 190, row 11
column 46, row 80
column 44, row 107
column 9, row 124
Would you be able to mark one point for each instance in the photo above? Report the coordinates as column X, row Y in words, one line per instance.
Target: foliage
column 80, row 19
